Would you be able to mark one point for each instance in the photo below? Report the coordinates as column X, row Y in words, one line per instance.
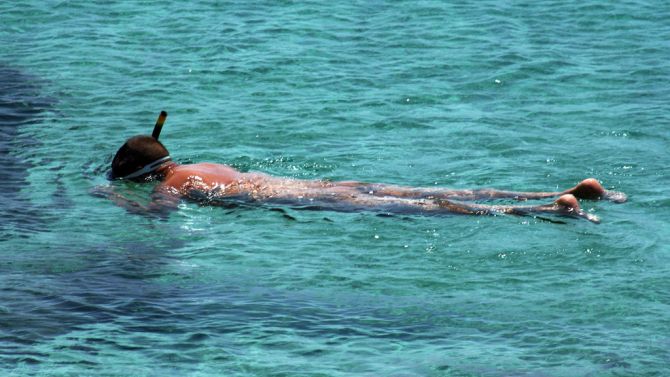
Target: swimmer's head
column 139, row 157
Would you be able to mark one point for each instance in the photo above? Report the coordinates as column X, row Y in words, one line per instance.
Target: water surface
column 487, row 94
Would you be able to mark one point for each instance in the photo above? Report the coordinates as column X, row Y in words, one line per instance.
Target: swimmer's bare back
column 221, row 184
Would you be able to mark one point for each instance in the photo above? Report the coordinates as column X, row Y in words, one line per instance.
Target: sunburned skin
column 217, row 184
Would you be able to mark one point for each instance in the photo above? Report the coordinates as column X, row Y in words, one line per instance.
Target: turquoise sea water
column 499, row 94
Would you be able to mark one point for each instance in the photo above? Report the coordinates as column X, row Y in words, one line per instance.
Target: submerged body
column 221, row 184
column 144, row 158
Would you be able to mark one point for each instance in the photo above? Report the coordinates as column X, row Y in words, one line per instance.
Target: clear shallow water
column 530, row 97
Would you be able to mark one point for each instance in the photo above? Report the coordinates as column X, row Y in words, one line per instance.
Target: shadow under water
column 21, row 104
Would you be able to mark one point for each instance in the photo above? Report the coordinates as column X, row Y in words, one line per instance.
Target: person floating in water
column 144, row 158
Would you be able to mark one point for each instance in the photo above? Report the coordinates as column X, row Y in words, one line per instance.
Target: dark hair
column 137, row 152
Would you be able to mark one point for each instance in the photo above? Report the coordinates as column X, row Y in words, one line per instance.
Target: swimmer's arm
column 160, row 206
column 163, row 202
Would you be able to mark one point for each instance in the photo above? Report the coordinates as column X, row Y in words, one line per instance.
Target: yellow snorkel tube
column 159, row 125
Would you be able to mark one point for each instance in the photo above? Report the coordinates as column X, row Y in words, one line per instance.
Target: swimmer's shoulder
column 208, row 174
column 205, row 169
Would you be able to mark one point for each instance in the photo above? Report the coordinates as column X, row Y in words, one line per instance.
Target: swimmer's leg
column 589, row 189
column 407, row 192
column 354, row 201
column 565, row 205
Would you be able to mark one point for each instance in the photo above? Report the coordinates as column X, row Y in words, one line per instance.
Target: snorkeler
column 144, row 158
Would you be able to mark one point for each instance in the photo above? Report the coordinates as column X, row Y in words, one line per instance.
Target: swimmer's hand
column 101, row 191
column 159, row 207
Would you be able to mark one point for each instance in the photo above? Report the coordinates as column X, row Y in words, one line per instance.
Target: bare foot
column 591, row 189
column 568, row 205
